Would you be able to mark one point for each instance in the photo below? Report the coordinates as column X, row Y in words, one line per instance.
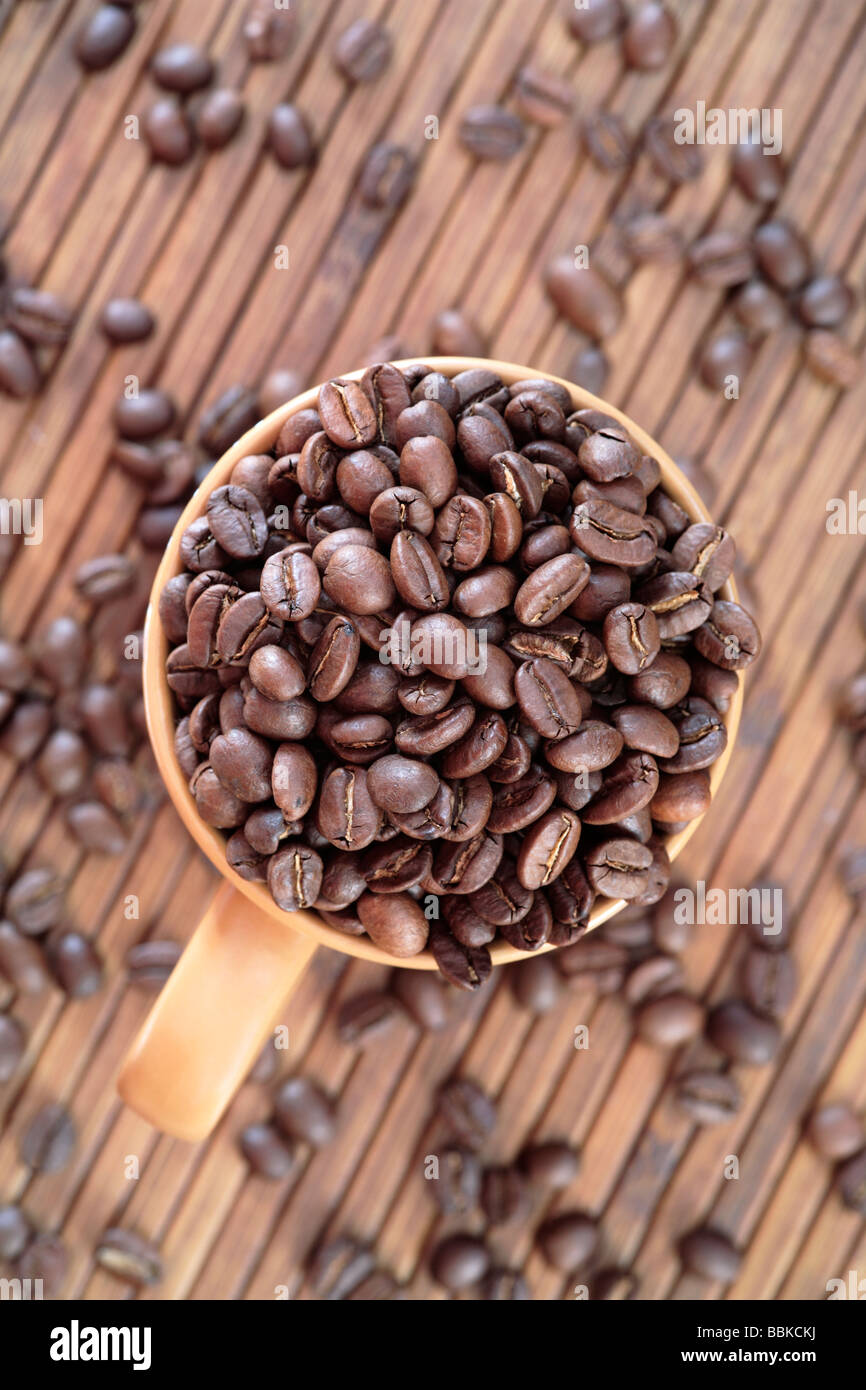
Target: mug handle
column 207, row 1028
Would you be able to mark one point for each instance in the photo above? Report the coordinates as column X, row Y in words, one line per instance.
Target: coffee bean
column 467, row 1110
column 456, row 1189
column 607, row 141
column 266, row 1151
column 594, row 20
column 35, row 901
column 459, row 1262
column 836, row 1131
column 710, row 1254
column 365, row 1016
column 126, row 321
column 15, row 1232
column 544, row 98
column 492, row 132
column 424, row 998
column 676, row 162
column 650, row 236
column 725, row 355
column 181, row 67
column 758, row 171
column 22, row 962
column 722, row 259
column 743, row 1035
column 44, row 1263
column 104, row 36
column 168, row 131
column 503, row 1195
column 295, row 877
column 387, row 176
column 47, row 1144
column 19, row 374
column 76, row 964
column 394, row 922
column 708, row 1097
column 831, row 359
column 304, row 1112
column 584, row 297
column 769, row 981
column 551, row 1166
column 670, row 1021
column 233, row 412
column 339, row 1268
column 568, row 1240
column 536, row 984
column 783, row 254
column 13, row 1041
column 825, row 302
column 39, row 316
column 464, row 966
column 615, row 1285
column 649, row 37
column 504, row 1286
column 269, row 32
column 149, row 963
column 144, row 415
column 851, row 1182
column 217, row 119
column 290, row 137
column 129, row 1256
column 363, row 51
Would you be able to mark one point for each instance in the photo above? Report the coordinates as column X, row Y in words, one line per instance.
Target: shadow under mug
column 212, row 1016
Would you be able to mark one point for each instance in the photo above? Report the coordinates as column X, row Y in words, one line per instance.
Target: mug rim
column 160, row 711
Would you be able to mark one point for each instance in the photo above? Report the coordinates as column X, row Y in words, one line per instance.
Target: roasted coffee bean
column 39, row 316
column 729, row 638
column 295, row 877
column 459, row 1262
column 679, row 163
column 35, row 901
column 347, row 815
column 567, row 1240
column 44, row 1263
column 631, row 637
column 504, row 1197
column 266, row 1151
column 708, row 1097
column 468, row 1112
column 16, row 1232
column 217, row 119
column 831, row 359
column 46, row 1145
column 149, row 963
column 387, row 176
column 104, row 36
column 722, row 259
column 743, row 1035
column 650, row 236
column 290, row 585
column 169, row 132
column 825, row 302
column 333, row 659
column 144, row 415
column 783, row 254
column 671, row 1020
column 758, row 171
column 22, row 962
column 13, row 1041
column 424, row 997
column 725, row 355
column 836, row 1131
column 304, row 1112
column 363, row 50
column 649, row 36
column 851, row 1182
column 594, row 20
column 233, row 412
column 365, row 1016
column 456, row 1188
column 76, row 964
column 427, row 465
column 536, row 985
column 181, row 67
column 759, row 308
column 769, row 981
column 19, row 373
column 551, row 1166
column 653, row 978
column 290, row 137
column 584, row 297
column 544, row 98
column 607, row 533
column 607, row 140
column 710, row 1254
column 64, row 762
column 491, row 132
column 129, row 1256
column 96, row 827
column 394, row 922
column 547, row 847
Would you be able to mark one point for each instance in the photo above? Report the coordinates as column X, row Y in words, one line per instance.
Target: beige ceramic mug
column 210, row 1021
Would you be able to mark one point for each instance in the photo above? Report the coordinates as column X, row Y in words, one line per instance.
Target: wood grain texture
column 88, row 216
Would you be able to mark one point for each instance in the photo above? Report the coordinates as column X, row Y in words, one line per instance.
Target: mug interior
column 159, row 702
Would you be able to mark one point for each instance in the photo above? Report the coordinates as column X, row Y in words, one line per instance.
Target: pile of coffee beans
column 446, row 632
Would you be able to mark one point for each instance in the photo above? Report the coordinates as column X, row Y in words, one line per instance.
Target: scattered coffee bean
column 266, row 1151
column 13, row 1041
column 304, row 1112
column 365, row 1016
column 290, row 137
column 758, row 171
column 129, row 1256
column 217, row 119
column 268, row 31
column 19, row 374
column 542, row 97
column 551, row 1166
column 169, row 132
column 459, row 1262
column 831, row 359
column 423, row 997
column 568, row 1240
column 743, row 1035
column 649, row 36
column 103, row 37
column 45, row 1259
column 836, row 1131
column 47, row 1143
column 149, row 963
column 126, row 321
column 670, row 1021
column 710, row 1254
column 708, row 1097
column 15, row 1232
column 504, row 1286
column 181, row 67
column 363, row 51
column 583, row 297
column 492, row 132
column 851, row 1182
column 456, row 1189
column 468, row 1112
column 76, row 964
